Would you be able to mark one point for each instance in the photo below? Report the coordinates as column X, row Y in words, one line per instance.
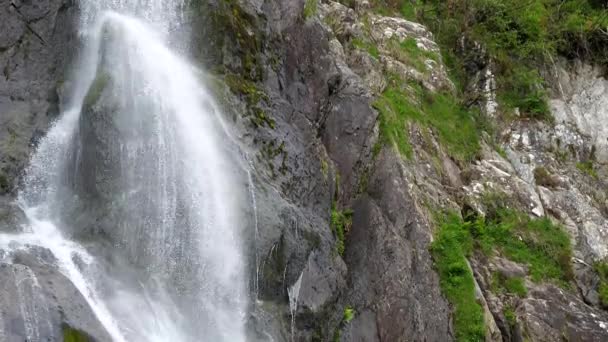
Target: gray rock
column 37, row 301
column 37, row 43
column 11, row 216
column 390, row 268
column 552, row 314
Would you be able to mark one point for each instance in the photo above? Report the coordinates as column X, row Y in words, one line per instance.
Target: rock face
column 342, row 223
column 38, row 39
column 38, row 302
column 315, row 161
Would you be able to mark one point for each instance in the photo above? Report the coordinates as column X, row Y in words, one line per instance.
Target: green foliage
column 602, row 270
column 73, row 335
column 520, row 35
column 538, row 243
column 603, row 294
column 510, row 315
column 453, row 243
column 349, row 314
column 408, row 52
column 408, row 9
column 587, row 168
column 252, row 95
column 400, row 103
column 310, row 8
column 365, row 45
column 516, row 286
column 341, row 221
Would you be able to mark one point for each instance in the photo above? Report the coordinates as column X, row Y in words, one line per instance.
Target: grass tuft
column 409, row 102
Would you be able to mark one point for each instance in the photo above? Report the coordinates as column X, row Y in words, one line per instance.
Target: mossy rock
column 74, row 335
column 101, row 81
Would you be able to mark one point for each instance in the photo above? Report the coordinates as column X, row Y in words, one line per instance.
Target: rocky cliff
column 388, row 208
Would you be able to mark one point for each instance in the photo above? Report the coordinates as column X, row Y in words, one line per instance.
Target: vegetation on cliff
column 521, row 37
column 537, row 243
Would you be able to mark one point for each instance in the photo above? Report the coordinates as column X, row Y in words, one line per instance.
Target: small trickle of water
column 293, row 293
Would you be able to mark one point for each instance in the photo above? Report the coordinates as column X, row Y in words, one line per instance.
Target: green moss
column 252, row 96
column 401, row 103
column 73, row 335
column 310, row 8
column 324, row 168
column 408, row 52
column 99, row 84
column 341, row 221
column 501, row 152
column 587, row 168
column 349, row 314
column 237, row 33
column 269, row 152
column 453, row 243
column 538, row 243
column 516, row 286
column 510, row 315
column 366, row 45
column 602, row 270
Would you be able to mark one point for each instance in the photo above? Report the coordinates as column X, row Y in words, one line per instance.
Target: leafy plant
column 341, row 221
column 349, row 314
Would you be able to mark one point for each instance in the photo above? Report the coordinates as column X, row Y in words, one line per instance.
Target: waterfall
column 136, row 190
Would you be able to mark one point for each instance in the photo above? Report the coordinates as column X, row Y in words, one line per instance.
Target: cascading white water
column 140, row 161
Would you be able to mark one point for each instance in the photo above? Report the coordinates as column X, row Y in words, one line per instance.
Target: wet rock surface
column 38, row 302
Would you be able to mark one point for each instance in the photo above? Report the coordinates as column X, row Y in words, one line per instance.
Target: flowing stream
column 135, row 189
